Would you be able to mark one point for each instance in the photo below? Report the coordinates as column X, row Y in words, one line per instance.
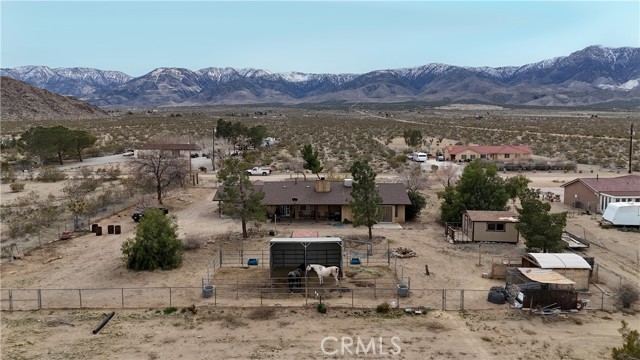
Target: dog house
column 287, row 253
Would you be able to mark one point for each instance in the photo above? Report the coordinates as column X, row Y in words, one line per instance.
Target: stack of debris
column 403, row 252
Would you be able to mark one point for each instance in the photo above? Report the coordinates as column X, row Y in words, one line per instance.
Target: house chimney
column 323, row 186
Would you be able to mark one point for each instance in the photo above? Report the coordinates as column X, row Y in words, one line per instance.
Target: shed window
column 506, row 156
column 495, row 226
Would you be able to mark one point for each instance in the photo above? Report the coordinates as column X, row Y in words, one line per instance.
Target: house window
column 463, row 157
column 306, row 207
column 506, row 156
column 396, row 209
column 483, row 156
column 473, row 157
column 495, row 226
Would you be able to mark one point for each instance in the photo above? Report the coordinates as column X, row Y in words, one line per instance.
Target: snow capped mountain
column 591, row 75
column 77, row 81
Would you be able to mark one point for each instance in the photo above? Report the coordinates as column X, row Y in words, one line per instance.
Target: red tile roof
column 628, row 185
column 491, row 149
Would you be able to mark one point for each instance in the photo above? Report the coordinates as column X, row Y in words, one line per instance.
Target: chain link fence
column 244, row 294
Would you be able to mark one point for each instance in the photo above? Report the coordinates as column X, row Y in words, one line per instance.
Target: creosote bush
column 627, row 295
column 51, row 175
column 16, row 187
column 383, row 308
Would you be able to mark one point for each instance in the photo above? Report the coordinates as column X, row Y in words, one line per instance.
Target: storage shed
column 493, row 226
column 571, row 266
column 287, row 253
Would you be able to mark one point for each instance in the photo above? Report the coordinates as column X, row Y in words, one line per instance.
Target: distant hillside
column 594, row 75
column 21, row 101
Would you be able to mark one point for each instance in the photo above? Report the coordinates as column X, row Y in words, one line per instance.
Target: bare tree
column 163, row 169
column 448, row 175
column 414, row 177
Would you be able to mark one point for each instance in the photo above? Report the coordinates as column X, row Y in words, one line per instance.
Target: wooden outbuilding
column 490, row 226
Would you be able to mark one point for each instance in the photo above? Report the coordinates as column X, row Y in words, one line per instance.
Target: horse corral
column 255, row 282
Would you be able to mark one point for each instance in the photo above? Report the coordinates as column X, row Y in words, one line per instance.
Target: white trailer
column 622, row 213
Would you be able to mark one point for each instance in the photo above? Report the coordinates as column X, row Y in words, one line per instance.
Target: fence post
column 122, row 296
column 602, row 300
column 375, row 285
column 388, row 254
column 236, row 288
column 215, row 297
column 444, row 299
column 80, row 297
column 170, row 302
column 352, row 291
column 10, row 300
column 461, row 299
column 39, row 299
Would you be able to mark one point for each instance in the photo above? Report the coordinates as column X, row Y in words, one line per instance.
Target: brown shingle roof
column 193, row 147
column 505, row 216
column 628, row 185
column 282, row 193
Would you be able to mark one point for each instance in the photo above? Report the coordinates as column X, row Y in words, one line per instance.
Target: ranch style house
column 325, row 200
column 174, row 149
column 504, row 153
column 594, row 194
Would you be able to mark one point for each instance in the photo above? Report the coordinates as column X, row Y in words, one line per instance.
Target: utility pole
column 630, row 147
column 213, row 152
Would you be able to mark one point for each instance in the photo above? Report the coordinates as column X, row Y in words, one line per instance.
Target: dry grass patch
column 262, row 313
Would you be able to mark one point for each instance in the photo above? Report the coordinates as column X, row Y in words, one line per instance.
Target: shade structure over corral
column 289, row 253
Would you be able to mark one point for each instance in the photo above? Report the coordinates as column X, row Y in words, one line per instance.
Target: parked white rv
column 622, row 213
column 419, row 156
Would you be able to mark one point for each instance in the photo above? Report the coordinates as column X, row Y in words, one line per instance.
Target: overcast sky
column 315, row 37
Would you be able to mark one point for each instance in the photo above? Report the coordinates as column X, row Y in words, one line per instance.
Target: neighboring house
column 594, row 194
column 175, row 149
column 494, row 226
column 504, row 153
column 268, row 141
column 324, row 199
column 572, row 266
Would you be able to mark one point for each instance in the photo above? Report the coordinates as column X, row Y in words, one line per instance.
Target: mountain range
column 594, row 75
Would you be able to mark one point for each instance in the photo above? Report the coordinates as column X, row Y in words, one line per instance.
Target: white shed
column 288, row 253
column 623, row 213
